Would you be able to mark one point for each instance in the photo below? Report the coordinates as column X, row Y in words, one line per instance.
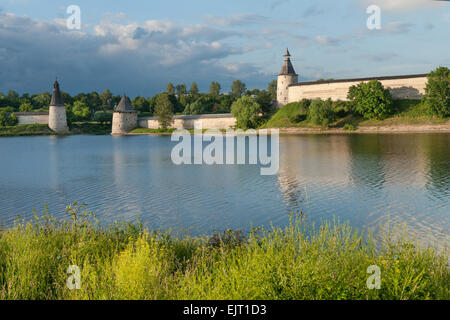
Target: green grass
column 124, row 261
column 406, row 112
column 153, row 131
column 25, row 130
column 94, row 128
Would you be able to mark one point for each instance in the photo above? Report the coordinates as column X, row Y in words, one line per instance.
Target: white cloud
column 403, row 5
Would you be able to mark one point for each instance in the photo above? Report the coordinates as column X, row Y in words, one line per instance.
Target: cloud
column 139, row 58
column 380, row 57
column 327, row 41
column 403, row 5
column 397, row 27
column 313, row 10
column 278, row 3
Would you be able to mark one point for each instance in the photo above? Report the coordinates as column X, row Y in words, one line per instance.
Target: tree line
column 98, row 106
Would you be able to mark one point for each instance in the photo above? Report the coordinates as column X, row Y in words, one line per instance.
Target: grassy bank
column 94, row 128
column 25, row 130
column 125, row 262
column 407, row 112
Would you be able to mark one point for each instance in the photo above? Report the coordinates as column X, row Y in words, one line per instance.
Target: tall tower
column 286, row 77
column 125, row 117
column 57, row 120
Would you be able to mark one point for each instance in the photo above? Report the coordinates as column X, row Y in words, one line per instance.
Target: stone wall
column 124, row 122
column 401, row 87
column 32, row 117
column 209, row 121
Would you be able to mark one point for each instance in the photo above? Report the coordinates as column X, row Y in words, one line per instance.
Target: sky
column 138, row 46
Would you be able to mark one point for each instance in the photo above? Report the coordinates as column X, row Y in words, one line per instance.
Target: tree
column 164, row 110
column 7, row 118
column 272, row 89
column 181, row 90
column 246, row 111
column 193, row 91
column 26, row 107
column 371, row 99
column 170, row 89
column 321, row 112
column 106, row 98
column 437, row 92
column 264, row 99
column 140, row 104
column 42, row 100
column 81, row 111
column 238, row 88
column 214, row 89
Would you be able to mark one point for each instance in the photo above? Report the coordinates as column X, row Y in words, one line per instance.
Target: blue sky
column 138, row 46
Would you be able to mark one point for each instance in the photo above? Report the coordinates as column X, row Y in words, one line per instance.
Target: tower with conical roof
column 286, row 77
column 125, row 117
column 57, row 119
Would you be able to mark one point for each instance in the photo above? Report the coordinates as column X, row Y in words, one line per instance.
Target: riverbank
column 43, row 130
column 124, row 261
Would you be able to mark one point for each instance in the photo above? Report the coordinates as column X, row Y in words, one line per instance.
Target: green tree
column 238, row 88
column 81, row 111
column 321, row 112
column 437, row 92
column 193, row 91
column 141, row 104
column 7, row 118
column 106, row 98
column 264, row 99
column 371, row 99
column 181, row 90
column 42, row 100
column 170, row 89
column 246, row 111
column 214, row 89
column 272, row 89
column 26, row 107
column 164, row 110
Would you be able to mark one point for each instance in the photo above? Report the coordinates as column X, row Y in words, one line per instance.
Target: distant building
column 290, row 90
column 57, row 119
column 125, row 118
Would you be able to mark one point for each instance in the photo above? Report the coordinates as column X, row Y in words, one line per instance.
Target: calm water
column 363, row 179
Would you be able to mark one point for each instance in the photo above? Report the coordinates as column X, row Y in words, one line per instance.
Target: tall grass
column 124, row 261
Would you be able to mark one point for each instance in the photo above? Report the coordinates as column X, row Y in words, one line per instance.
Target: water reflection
column 363, row 179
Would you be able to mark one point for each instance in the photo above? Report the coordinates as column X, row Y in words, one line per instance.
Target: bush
column 371, row 99
column 437, row 92
column 7, row 118
column 349, row 127
column 246, row 111
column 321, row 112
column 103, row 117
column 342, row 108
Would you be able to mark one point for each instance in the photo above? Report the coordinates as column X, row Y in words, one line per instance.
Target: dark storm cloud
column 136, row 58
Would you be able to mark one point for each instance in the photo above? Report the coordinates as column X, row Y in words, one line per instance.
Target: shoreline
column 382, row 129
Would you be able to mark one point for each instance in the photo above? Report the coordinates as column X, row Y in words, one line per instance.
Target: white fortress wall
column 412, row 87
column 32, row 117
column 213, row 121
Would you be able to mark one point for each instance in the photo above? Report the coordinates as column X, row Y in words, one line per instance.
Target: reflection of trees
column 366, row 167
column 437, row 149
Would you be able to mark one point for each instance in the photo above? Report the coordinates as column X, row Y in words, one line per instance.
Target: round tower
column 125, row 117
column 57, row 120
column 286, row 77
